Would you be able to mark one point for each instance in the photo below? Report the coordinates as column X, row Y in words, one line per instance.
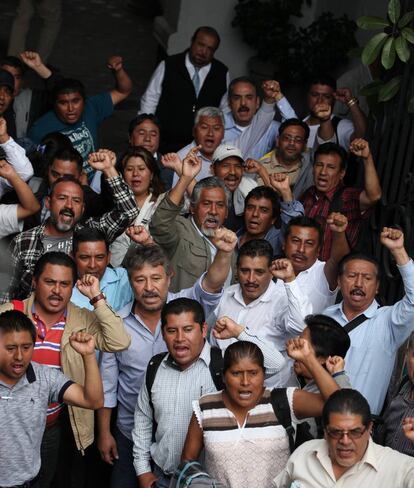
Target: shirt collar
column 368, row 312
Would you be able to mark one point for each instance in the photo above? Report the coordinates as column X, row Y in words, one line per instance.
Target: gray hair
column 209, row 182
column 209, row 112
column 139, row 256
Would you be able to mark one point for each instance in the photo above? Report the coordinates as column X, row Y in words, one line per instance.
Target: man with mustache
column 55, row 319
column 209, row 129
column 329, row 194
column 150, row 275
column 244, row 101
column 66, row 205
column 188, row 241
column 379, row 331
column 271, row 314
column 182, row 84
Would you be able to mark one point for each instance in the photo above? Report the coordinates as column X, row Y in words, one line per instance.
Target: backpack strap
column 216, row 367
column 150, row 374
column 335, row 122
column 353, row 324
column 18, row 305
column 280, row 404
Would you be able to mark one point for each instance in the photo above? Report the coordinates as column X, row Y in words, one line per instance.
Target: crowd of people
column 205, row 291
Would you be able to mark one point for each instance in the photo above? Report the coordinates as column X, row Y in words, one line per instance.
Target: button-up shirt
column 274, row 317
column 315, row 286
column 374, row 343
column 115, row 284
column 381, row 467
column 123, row 372
column 318, row 206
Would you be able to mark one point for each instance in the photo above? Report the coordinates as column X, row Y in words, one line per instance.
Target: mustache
column 67, row 211
column 211, row 218
column 251, row 284
column 358, row 291
column 150, row 294
column 243, row 108
column 55, row 297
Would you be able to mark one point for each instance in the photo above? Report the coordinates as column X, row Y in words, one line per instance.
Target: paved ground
column 92, row 30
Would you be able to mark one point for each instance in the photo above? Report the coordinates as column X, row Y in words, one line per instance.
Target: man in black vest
column 183, row 83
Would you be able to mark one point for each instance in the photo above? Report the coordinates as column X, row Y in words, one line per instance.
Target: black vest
column 178, row 102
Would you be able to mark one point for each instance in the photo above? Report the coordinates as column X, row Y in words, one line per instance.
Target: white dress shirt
column 151, row 97
column 275, row 316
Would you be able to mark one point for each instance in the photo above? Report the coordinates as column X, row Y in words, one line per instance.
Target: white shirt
column 345, row 129
column 9, row 223
column 16, row 156
column 151, row 97
column 381, row 467
column 315, row 286
column 275, row 316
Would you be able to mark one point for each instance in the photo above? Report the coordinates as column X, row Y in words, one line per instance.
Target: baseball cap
column 226, row 151
column 6, row 79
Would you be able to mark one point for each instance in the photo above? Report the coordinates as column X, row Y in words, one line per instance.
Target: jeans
column 123, row 472
column 49, row 452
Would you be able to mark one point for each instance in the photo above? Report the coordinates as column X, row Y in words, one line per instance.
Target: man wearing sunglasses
column 347, row 456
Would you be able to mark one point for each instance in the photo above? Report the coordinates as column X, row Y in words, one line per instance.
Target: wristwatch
column 97, row 298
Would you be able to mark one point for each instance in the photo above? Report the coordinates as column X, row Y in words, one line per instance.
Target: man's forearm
column 339, row 249
column 27, row 200
column 103, row 416
column 93, row 389
column 123, row 82
column 359, row 120
column 217, row 272
column 371, row 181
column 326, row 384
column 176, row 194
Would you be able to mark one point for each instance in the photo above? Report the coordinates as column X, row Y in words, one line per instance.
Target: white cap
column 225, row 151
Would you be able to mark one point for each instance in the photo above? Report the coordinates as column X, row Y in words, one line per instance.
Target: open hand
column 172, row 161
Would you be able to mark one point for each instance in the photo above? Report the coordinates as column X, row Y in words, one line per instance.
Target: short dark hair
column 142, row 118
column 240, row 350
column 303, row 221
column 14, row 62
column 359, row 255
column 241, row 79
column 183, row 305
column 142, row 255
column 211, row 31
column 16, row 321
column 322, row 79
column 68, row 154
column 150, row 163
column 268, row 193
column 327, row 336
column 347, row 401
column 88, row 234
column 66, row 179
column 256, row 248
column 68, row 85
column 332, row 148
column 294, row 123
column 56, row 258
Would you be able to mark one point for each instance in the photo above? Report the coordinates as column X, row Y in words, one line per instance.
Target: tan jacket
column 110, row 336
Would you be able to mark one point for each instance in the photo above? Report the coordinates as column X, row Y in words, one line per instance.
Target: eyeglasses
column 352, row 434
column 296, row 140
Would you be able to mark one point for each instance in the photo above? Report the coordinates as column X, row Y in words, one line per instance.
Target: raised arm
column 105, row 325
column 125, row 210
column 91, row 394
column 225, row 241
column 151, row 97
column 359, row 120
column 372, row 188
column 28, row 203
column 123, row 83
column 33, row 60
column 340, row 247
column 226, row 328
column 307, row 404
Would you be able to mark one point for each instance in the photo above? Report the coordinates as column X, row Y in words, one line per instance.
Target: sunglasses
column 352, row 434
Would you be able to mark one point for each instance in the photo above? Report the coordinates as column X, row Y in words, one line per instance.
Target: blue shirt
column 267, row 141
column 123, row 372
column 84, row 133
column 115, row 285
column 374, row 343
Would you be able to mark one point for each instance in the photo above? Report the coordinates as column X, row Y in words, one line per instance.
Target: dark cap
column 6, row 79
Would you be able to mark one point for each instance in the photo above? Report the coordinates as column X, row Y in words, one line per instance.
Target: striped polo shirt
column 47, row 351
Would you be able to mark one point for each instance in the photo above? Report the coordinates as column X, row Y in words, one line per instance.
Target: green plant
column 266, row 25
column 391, row 44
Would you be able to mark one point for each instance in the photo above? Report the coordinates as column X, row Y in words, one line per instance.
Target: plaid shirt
column 317, row 205
column 27, row 247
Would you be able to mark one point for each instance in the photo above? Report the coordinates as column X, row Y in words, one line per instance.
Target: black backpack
column 216, row 368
